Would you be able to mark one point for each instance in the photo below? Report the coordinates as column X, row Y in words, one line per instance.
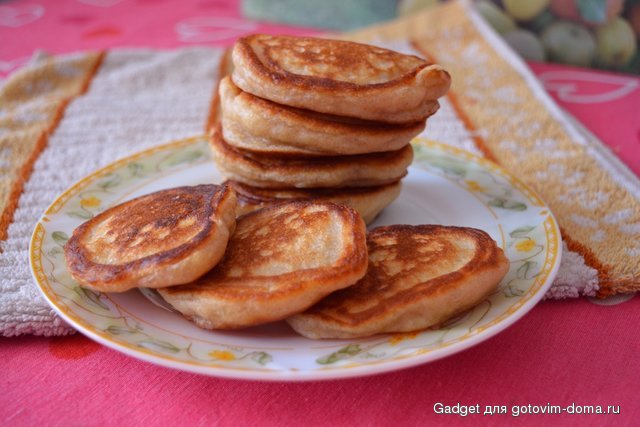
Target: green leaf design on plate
column 55, row 251
column 521, row 231
column 344, row 353
column 157, row 345
column 60, row 237
column 503, row 203
column 261, row 357
column 80, row 214
column 447, row 165
column 112, row 181
column 524, row 271
column 511, row 291
column 185, row 157
column 120, row 330
column 91, row 297
column 135, row 169
column 418, row 149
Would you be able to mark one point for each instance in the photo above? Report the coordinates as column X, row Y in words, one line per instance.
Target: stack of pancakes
column 302, row 118
column 307, row 118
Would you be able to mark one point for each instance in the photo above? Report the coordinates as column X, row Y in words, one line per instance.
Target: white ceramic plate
column 444, row 186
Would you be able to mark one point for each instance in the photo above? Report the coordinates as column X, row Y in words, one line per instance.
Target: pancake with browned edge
column 338, row 77
column 367, row 201
column 419, row 276
column 261, row 170
column 280, row 261
column 259, row 125
column 165, row 238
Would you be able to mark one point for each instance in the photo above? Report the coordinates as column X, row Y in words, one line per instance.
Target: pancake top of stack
column 338, row 77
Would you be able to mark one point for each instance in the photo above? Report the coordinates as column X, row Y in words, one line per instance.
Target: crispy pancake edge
column 181, row 264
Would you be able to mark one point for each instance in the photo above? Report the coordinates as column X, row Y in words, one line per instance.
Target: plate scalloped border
column 218, row 367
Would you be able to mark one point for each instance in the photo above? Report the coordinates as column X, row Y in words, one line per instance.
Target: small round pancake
column 259, row 125
column 338, row 77
column 418, row 276
column 165, row 238
column 281, row 260
column 367, row 201
column 262, row 170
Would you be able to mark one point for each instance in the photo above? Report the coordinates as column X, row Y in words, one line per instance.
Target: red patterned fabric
column 561, row 353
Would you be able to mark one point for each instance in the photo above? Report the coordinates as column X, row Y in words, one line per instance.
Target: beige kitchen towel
column 63, row 117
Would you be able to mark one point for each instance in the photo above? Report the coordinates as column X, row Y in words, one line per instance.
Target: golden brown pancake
column 165, row 238
column 418, row 276
column 259, row 125
column 338, row 77
column 260, row 170
column 367, row 201
column 281, row 260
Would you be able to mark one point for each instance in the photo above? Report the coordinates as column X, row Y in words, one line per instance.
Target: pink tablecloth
column 570, row 353
column 561, row 353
